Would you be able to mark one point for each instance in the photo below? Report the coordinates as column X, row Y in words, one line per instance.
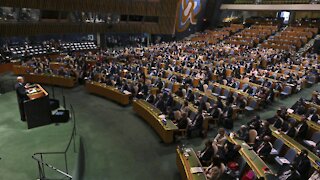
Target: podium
column 37, row 108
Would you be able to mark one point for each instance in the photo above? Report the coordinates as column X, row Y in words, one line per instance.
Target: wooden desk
column 51, row 80
column 6, row 67
column 57, row 65
column 184, row 165
column 259, row 167
column 312, row 105
column 313, row 125
column 22, row 70
column 108, row 92
column 291, row 143
column 150, row 114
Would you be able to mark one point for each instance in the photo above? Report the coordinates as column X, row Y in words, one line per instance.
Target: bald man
column 21, row 95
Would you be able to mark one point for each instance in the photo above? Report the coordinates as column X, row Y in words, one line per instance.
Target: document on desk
column 284, row 160
column 126, row 92
column 311, row 143
column 195, row 170
column 31, row 91
column 290, row 111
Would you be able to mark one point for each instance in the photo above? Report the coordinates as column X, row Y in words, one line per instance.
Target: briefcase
column 61, row 116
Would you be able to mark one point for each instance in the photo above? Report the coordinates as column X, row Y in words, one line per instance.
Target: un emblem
column 187, row 14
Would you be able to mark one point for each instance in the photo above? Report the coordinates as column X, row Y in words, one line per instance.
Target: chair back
column 287, row 89
column 315, row 137
column 170, row 86
column 204, row 98
column 217, row 90
column 244, row 86
column 237, row 85
column 192, row 115
column 252, row 136
column 253, row 104
column 312, row 79
column 226, row 93
column 278, row 144
column 290, row 155
column 254, row 90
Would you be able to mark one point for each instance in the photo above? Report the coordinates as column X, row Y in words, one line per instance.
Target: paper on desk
column 188, row 150
column 126, row 92
column 311, row 143
column 284, row 160
column 290, row 111
column 195, row 170
column 31, row 91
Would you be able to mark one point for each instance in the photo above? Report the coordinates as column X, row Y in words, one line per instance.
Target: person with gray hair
column 20, row 88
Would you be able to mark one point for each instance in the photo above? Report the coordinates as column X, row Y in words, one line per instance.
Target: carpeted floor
column 118, row 144
column 18, row 144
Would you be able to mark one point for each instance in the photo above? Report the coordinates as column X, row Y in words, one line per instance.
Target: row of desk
column 313, row 125
column 151, row 115
column 259, row 167
column 108, row 92
column 291, row 143
column 186, row 159
column 6, row 67
column 54, row 80
column 49, row 79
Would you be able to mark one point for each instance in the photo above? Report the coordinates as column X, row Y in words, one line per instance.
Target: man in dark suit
column 265, row 147
column 302, row 164
column 20, row 88
column 302, row 129
column 183, row 121
column 196, row 124
column 206, row 154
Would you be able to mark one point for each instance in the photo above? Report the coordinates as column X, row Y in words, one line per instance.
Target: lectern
column 37, row 108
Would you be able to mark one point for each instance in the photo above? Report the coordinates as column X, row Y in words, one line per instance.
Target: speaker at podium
column 37, row 110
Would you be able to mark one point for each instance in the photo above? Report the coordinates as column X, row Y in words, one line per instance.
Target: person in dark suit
column 302, row 129
column 264, row 149
column 226, row 119
column 196, row 124
column 302, row 164
column 292, row 130
column 160, row 104
column 243, row 133
column 20, row 88
column 183, row 121
column 151, row 99
column 190, row 96
column 206, row 154
column 169, row 101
